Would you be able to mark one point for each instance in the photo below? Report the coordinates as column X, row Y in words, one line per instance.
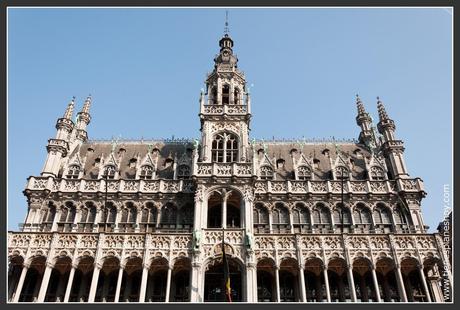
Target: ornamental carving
column 260, row 187
column 91, row 185
column 151, row 186
column 231, row 126
column 224, row 169
column 71, row 185
column 278, row 186
column 204, row 169
column 39, row 184
column 409, row 185
column 130, row 186
column 358, row 186
column 378, row 187
column 243, row 169
column 299, row 187
column 170, row 186
column 318, row 186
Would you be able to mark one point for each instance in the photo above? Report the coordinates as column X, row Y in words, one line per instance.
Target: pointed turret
column 69, row 111
column 83, row 120
column 365, row 122
column 393, row 149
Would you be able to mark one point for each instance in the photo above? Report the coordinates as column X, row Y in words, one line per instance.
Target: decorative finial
column 69, row 111
column 226, row 23
column 87, row 104
column 381, row 108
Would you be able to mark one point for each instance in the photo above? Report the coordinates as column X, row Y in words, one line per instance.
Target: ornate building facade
column 143, row 221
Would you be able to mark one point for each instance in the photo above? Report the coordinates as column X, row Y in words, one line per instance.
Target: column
column 45, row 281
column 57, row 215
column 20, row 283
column 143, row 289
column 351, row 283
column 69, row 283
column 117, row 219
column 425, row 286
column 224, row 209
column 195, row 283
column 400, row 282
column 94, row 280
column 120, row 277
column 251, row 279
column 277, row 281
column 168, row 284
column 76, row 219
column 303, row 293
column 157, row 224
column 376, row 284
column 97, row 218
column 326, row 283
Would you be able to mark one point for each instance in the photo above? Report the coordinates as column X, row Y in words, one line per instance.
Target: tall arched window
column 301, row 219
column 225, row 94
column 73, row 172
column 186, row 217
column 128, row 218
column 146, row 172
column 342, row 218
column 236, row 95
column 261, row 223
column 148, row 218
column 109, row 172
column 168, row 216
column 382, row 219
column 401, row 221
column 321, row 219
column 48, row 218
column 87, row 217
column 213, row 95
column 280, row 219
column 68, row 212
column 342, row 172
column 363, row 219
column 225, row 148
column 107, row 220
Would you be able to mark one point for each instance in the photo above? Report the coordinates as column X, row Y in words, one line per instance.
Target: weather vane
column 226, row 22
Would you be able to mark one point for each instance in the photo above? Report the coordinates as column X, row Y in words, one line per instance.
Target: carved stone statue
column 196, row 239
column 249, row 240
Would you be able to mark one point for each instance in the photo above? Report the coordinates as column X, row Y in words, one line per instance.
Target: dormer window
column 342, row 172
column 109, row 172
column 377, row 174
column 73, row 172
column 266, row 173
column 183, row 172
column 146, row 172
column 303, row 173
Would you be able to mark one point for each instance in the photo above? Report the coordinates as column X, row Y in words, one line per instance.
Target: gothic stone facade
column 143, row 221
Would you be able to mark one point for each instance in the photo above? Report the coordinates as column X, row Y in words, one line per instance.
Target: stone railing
column 224, row 169
column 358, row 187
column 100, row 185
column 234, row 109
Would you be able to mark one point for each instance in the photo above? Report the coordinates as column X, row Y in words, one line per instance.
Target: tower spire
column 382, row 112
column 226, row 31
column 360, row 106
column 69, row 110
column 86, row 105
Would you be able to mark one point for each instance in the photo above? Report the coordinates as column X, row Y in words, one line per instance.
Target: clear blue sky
column 145, row 68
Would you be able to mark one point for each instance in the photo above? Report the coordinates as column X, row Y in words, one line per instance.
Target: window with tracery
column 73, row 172
column 109, row 172
column 148, row 218
column 146, row 172
column 128, row 218
column 261, row 223
column 321, row 218
column 303, row 173
column 183, row 172
column 87, row 217
column 48, row 218
column 363, row 219
column 301, row 219
column 342, row 172
column 401, row 221
column 68, row 212
column 186, row 217
column 280, row 219
column 377, row 173
column 225, row 94
column 382, row 219
column 225, row 148
column 168, row 216
column 342, row 218
column 108, row 216
column 266, row 173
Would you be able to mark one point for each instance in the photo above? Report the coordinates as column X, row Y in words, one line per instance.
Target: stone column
column 277, row 281
column 45, row 281
column 17, row 293
column 303, row 293
column 97, row 218
column 143, row 289
column 168, row 284
column 376, row 284
column 326, row 283
column 425, row 286
column 195, row 287
column 400, row 282
column 117, row 219
column 251, row 280
column 76, row 219
column 94, row 280
column 224, row 209
column 351, row 283
column 117, row 290
column 57, row 215
column 69, row 283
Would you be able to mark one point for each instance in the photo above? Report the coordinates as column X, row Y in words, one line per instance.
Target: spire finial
column 360, row 106
column 226, row 23
column 87, row 104
column 69, row 110
column 381, row 108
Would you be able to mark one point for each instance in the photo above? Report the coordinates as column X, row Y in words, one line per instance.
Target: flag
column 227, row 287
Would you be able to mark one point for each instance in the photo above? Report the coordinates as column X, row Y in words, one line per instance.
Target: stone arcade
column 143, row 221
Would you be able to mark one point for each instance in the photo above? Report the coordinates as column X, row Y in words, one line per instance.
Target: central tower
column 225, row 110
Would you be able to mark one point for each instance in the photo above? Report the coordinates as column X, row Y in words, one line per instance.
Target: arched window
column 183, row 172
column 225, row 94
column 146, row 172
column 148, row 218
column 67, row 217
column 261, row 223
column 377, row 173
column 225, row 148
column 342, row 218
column 107, row 220
column 303, row 173
column 213, row 95
column 73, row 172
column 168, row 216
column 186, row 217
column 363, row 219
column 382, row 219
column 342, row 172
column 87, row 217
column 266, row 173
column 301, row 219
column 128, row 218
column 109, row 172
column 401, row 221
column 48, row 218
column 280, row 219
column 321, row 219
column 236, row 95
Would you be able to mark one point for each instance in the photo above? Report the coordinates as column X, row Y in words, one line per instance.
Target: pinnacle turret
column 86, row 105
column 69, row 110
column 382, row 112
